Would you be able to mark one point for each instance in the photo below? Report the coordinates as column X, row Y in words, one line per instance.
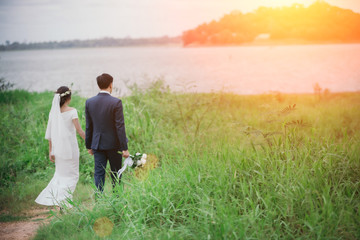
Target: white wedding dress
column 66, row 150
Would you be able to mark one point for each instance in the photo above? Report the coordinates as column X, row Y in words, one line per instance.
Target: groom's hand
column 90, row 151
column 125, row 153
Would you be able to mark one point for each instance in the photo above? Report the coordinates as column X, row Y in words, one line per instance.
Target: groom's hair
column 104, row 80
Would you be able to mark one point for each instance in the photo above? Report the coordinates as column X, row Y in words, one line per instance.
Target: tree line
column 103, row 42
column 318, row 22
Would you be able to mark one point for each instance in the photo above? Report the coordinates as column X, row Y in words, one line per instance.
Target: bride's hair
column 65, row 94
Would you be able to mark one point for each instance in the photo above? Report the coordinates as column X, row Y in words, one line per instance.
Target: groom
column 105, row 131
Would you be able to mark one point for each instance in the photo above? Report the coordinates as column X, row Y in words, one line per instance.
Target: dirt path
column 25, row 229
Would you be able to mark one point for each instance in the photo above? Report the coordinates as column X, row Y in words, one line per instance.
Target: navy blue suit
column 105, row 134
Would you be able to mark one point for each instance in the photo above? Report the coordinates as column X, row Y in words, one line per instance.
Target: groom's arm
column 120, row 126
column 89, row 127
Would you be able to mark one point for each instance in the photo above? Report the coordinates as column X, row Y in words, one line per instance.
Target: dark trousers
column 101, row 157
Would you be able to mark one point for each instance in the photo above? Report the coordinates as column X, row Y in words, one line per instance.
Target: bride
column 61, row 131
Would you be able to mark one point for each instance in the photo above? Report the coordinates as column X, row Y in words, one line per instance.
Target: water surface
column 241, row 70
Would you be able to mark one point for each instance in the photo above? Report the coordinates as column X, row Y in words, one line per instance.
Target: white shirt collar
column 102, row 91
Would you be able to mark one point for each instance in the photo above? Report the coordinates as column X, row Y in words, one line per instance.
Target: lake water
column 241, row 70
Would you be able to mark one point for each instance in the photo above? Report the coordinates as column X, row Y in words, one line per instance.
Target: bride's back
column 68, row 116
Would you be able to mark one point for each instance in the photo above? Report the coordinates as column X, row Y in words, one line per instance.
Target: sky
column 56, row 20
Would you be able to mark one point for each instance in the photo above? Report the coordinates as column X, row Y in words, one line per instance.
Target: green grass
column 11, row 218
column 228, row 168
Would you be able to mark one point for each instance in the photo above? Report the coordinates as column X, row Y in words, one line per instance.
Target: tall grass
column 221, row 177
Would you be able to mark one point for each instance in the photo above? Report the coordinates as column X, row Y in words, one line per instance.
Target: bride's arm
column 78, row 128
column 51, row 157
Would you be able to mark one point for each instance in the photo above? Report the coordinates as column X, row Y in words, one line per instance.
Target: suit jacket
column 105, row 125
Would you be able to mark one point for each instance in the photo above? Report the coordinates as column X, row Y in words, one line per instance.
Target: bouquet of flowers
column 138, row 160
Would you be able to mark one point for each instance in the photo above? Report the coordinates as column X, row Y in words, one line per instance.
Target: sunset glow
column 44, row 20
column 319, row 21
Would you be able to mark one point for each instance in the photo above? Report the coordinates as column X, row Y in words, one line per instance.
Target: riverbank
column 230, row 166
column 275, row 42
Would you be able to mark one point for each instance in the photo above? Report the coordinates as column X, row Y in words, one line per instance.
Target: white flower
column 138, row 162
column 143, row 161
column 144, row 156
column 137, row 154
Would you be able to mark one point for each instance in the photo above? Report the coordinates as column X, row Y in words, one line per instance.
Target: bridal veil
column 57, row 132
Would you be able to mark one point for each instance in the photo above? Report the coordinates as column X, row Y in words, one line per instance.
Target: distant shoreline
column 92, row 43
column 102, row 47
column 282, row 42
column 270, row 43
